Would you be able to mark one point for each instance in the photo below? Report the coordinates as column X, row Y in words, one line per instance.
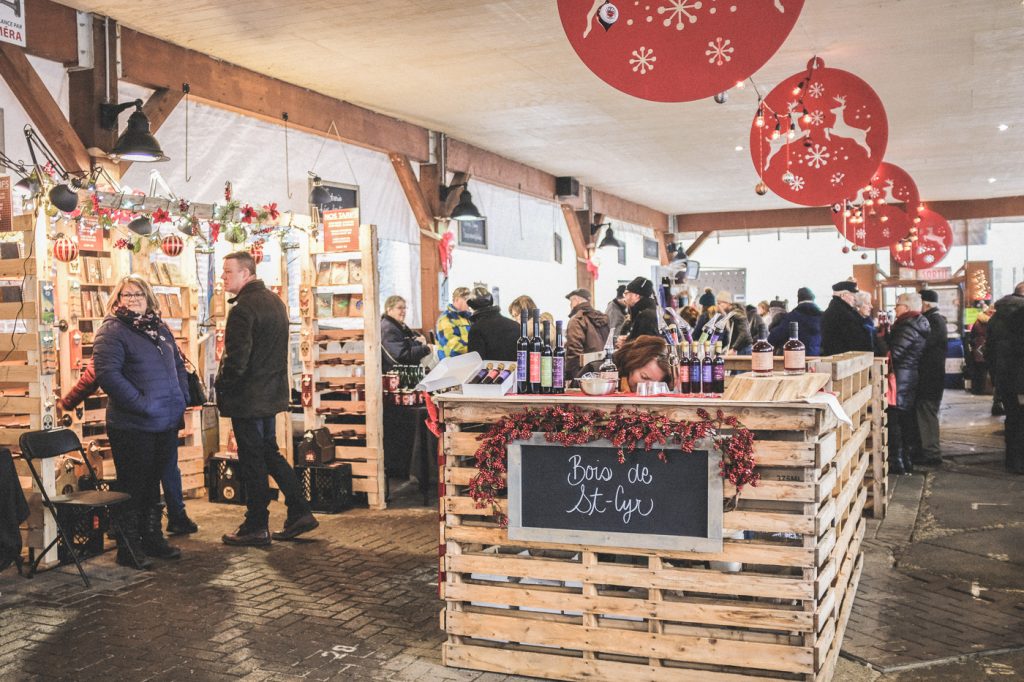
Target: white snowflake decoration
column 861, row 233
column 837, row 178
column 719, row 51
column 874, row 192
column 886, row 232
column 817, row 117
column 817, row 156
column 816, row 90
column 929, row 259
column 797, row 183
column 677, row 10
column 643, row 60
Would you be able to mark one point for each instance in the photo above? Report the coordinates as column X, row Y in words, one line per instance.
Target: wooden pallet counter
column 773, row 603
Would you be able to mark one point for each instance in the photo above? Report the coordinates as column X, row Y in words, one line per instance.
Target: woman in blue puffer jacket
column 138, row 365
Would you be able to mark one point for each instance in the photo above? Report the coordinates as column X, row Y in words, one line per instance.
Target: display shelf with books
column 340, row 343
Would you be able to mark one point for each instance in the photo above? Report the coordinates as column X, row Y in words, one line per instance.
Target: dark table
column 409, row 447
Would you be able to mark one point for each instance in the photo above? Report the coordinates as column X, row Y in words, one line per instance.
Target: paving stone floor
column 941, row 598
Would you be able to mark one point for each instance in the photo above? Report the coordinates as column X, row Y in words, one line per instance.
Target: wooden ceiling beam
column 627, row 211
column 51, row 31
column 157, row 109
column 961, row 209
column 703, row 237
column 580, row 240
column 42, row 109
column 157, row 64
column 413, row 191
column 87, row 91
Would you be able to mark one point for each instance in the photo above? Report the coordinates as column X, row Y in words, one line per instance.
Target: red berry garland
column 627, row 429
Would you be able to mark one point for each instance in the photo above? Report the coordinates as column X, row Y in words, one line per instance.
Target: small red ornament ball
column 846, row 249
column 65, row 250
column 257, row 253
column 172, row 245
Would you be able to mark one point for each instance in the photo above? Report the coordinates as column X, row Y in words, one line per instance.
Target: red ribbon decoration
column 445, row 247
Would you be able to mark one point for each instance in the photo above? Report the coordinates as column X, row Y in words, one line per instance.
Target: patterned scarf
column 148, row 324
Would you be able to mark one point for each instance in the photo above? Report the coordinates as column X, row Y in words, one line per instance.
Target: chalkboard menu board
column 342, row 196
column 473, row 233
column 581, row 495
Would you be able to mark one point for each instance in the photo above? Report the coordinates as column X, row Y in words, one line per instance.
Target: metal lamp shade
column 319, row 195
column 64, row 198
column 609, row 240
column 466, row 209
column 27, row 187
column 136, row 142
column 141, row 226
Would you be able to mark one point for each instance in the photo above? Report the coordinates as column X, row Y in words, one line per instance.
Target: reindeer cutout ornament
column 819, row 136
column 929, row 246
column 882, row 212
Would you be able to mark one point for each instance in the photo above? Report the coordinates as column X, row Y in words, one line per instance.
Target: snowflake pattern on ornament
column 816, row 90
column 837, row 178
column 719, row 51
column 817, row 117
column 643, row 60
column 874, row 192
column 797, row 183
column 861, row 233
column 677, row 10
column 886, row 232
column 817, row 156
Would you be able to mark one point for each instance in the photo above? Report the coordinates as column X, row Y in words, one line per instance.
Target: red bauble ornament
column 889, row 203
column 835, row 148
column 172, row 245
column 676, row 50
column 934, row 240
column 256, row 250
column 64, row 249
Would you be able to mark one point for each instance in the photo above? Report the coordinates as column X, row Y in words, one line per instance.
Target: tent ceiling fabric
column 501, row 74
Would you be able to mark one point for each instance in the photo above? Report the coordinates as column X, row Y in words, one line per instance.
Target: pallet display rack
column 340, row 342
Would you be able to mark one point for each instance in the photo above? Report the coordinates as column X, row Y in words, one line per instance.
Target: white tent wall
column 519, row 258
column 224, row 145
column 55, row 78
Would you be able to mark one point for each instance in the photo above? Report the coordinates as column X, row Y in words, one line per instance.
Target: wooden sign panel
column 581, row 495
column 6, row 204
column 341, row 230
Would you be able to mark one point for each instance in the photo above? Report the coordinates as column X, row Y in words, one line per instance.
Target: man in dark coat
column 616, row 311
column 252, row 387
column 1004, row 351
column 807, row 315
column 736, row 339
column 842, row 329
column 586, row 332
column 643, row 310
column 906, row 344
column 932, row 380
column 491, row 334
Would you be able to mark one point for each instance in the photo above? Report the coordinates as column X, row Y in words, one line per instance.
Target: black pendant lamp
column 319, row 195
column 63, row 197
column 466, row 209
column 136, row 143
column 141, row 226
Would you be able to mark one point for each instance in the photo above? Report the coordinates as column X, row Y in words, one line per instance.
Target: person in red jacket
column 178, row 522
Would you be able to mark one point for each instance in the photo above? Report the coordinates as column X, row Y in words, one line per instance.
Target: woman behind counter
column 399, row 344
column 140, row 368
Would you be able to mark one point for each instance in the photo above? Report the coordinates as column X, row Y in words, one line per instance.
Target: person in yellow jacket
column 453, row 326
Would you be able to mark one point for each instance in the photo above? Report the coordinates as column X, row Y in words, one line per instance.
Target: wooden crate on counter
column 773, row 604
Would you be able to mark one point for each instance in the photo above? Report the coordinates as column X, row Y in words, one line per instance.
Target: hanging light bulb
column 807, row 116
column 759, row 119
column 798, row 87
column 777, row 131
column 792, row 129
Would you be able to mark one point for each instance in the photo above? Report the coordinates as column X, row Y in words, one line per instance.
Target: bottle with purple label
column 558, row 362
column 707, row 369
column 522, row 356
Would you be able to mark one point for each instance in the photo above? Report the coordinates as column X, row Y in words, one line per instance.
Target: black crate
column 328, row 489
column 85, row 529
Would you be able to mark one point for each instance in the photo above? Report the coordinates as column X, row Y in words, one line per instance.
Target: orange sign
column 341, row 230
column 90, row 237
column 6, row 206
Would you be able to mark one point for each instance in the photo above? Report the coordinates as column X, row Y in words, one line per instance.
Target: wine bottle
column 522, row 356
column 793, row 352
column 558, row 362
column 546, row 356
column 684, row 369
column 607, row 369
column 481, row 374
column 695, row 370
column 762, row 355
column 504, row 374
column 673, row 358
column 707, row 366
column 493, row 374
column 718, row 371
column 536, row 346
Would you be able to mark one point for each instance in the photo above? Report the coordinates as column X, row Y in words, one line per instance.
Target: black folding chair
column 43, row 445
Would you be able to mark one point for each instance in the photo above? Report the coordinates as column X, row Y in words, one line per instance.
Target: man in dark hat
column 807, row 315
column 842, row 329
column 932, row 380
column 491, row 334
column 1004, row 351
column 586, row 331
column 616, row 311
column 643, row 309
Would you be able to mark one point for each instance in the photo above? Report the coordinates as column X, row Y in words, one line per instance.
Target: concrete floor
column 941, row 597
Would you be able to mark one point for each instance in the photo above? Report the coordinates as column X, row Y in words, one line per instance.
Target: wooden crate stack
column 773, row 604
column 331, row 332
column 878, row 442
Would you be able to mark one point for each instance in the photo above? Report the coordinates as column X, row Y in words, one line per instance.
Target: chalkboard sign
column 651, row 249
column 473, row 233
column 581, row 495
column 342, row 196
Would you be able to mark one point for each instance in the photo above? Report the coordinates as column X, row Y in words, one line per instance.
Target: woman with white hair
column 906, row 343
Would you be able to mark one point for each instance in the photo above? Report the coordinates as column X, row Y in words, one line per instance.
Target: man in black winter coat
column 932, row 380
column 643, row 310
column 252, row 387
column 1004, row 351
column 842, row 328
column 491, row 334
column 807, row 315
column 906, row 343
